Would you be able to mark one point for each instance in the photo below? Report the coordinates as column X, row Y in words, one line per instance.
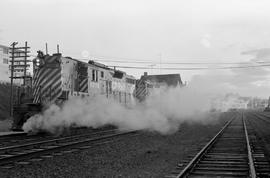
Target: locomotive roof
column 91, row 63
column 94, row 63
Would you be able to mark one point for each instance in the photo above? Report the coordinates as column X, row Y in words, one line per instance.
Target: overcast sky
column 155, row 30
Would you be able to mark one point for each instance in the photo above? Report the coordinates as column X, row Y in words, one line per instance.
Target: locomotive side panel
column 94, row 82
column 75, row 77
column 123, row 87
column 130, row 89
column 69, row 75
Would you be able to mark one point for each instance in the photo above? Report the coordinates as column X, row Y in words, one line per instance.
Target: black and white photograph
column 134, row 88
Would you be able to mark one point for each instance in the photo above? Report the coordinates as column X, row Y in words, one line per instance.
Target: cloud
column 247, row 81
column 262, row 54
column 254, row 81
column 205, row 41
column 259, row 73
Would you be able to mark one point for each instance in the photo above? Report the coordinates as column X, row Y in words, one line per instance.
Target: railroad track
column 233, row 152
column 35, row 151
column 262, row 116
column 9, row 140
column 261, row 124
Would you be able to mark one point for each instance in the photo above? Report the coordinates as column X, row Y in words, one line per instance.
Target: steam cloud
column 163, row 111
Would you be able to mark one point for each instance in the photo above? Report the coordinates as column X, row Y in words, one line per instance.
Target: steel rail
column 250, row 158
column 193, row 162
column 2, row 149
column 262, row 162
column 39, row 152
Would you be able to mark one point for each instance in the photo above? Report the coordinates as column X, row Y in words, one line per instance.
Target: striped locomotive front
column 82, row 80
column 83, row 85
column 141, row 90
column 47, row 80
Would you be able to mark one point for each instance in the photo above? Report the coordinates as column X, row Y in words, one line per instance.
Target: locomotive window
column 129, row 80
column 5, row 50
column 110, row 87
column 5, row 61
column 102, row 74
column 93, row 75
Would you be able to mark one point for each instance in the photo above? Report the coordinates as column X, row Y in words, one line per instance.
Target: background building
column 147, row 83
column 4, row 64
column 235, row 101
column 166, row 80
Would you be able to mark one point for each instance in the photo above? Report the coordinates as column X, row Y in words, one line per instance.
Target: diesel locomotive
column 57, row 79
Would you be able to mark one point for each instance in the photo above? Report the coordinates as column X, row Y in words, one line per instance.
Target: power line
column 111, row 59
column 263, row 64
column 191, row 68
column 179, row 63
column 152, row 62
column 182, row 63
column 144, row 61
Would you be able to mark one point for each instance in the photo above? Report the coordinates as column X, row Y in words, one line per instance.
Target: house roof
column 7, row 47
column 169, row 79
column 3, row 46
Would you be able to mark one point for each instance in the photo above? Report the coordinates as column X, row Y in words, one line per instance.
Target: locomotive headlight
column 37, row 62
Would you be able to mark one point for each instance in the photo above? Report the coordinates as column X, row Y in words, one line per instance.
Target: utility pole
column 46, row 48
column 152, row 65
column 160, row 62
column 18, row 63
column 11, row 77
column 25, row 63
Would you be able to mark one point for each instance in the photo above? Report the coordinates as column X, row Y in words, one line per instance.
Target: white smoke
column 163, row 111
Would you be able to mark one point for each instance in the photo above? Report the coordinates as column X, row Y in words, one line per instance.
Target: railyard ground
column 148, row 154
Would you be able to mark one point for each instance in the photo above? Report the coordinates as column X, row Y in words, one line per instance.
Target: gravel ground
column 263, row 133
column 147, row 154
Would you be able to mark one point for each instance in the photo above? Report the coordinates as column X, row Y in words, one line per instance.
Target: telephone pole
column 18, row 63
column 11, row 77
